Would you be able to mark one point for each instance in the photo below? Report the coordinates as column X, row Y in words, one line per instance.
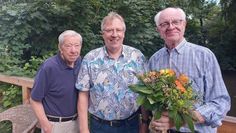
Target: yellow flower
column 167, row 72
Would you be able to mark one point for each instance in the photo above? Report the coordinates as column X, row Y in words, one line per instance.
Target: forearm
column 145, row 115
column 82, row 108
column 40, row 114
column 145, row 120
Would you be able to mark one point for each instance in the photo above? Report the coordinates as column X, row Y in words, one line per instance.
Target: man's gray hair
column 68, row 33
column 112, row 15
column 157, row 16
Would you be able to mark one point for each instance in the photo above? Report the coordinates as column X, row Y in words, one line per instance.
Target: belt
column 61, row 119
column 115, row 123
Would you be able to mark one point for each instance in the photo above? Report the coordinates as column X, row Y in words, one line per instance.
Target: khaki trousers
column 65, row 127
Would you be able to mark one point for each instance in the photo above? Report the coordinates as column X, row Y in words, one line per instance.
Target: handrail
column 230, row 119
column 25, row 83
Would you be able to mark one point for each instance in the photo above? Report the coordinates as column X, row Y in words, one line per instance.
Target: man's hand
column 47, row 128
column 162, row 124
column 198, row 117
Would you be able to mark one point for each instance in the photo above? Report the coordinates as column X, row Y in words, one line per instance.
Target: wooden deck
column 228, row 126
column 229, row 123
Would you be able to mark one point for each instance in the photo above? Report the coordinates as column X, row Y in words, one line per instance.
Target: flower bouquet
column 161, row 91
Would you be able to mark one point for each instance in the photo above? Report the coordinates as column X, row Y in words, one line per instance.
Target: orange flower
column 183, row 79
column 180, row 86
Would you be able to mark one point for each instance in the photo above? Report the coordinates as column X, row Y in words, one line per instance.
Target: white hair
column 157, row 16
column 68, row 33
column 111, row 16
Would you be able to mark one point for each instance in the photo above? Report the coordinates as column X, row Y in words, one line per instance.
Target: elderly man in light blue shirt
column 198, row 63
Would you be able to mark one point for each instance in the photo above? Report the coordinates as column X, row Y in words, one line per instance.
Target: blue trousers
column 131, row 126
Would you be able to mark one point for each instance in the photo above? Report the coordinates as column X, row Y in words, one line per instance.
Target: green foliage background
column 29, row 29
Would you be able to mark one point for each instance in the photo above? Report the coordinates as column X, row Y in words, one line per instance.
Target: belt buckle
column 111, row 123
column 60, row 119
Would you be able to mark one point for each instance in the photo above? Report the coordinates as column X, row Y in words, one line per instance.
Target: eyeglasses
column 176, row 22
column 111, row 31
column 69, row 46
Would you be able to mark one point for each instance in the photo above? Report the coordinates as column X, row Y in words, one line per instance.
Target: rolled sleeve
column 211, row 119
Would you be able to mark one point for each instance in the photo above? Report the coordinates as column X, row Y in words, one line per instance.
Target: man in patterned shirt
column 103, row 83
column 198, row 63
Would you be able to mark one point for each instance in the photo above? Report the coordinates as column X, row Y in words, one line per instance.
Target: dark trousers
column 127, row 126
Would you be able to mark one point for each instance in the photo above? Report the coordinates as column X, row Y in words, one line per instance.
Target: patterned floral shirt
column 107, row 81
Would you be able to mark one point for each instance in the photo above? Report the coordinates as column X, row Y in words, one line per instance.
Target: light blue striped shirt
column 200, row 64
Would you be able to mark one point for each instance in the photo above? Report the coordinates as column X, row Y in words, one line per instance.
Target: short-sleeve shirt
column 54, row 86
column 107, row 81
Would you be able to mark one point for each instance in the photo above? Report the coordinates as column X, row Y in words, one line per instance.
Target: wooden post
column 25, row 83
column 25, row 95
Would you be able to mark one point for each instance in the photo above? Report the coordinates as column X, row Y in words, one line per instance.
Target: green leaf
column 140, row 99
column 147, row 105
column 151, row 100
column 189, row 121
column 157, row 115
column 172, row 114
column 6, row 103
column 178, row 121
column 140, row 88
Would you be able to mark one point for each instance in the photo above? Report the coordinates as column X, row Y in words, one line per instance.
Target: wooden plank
column 20, row 81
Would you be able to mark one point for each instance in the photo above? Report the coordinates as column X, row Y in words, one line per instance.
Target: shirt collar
column 107, row 55
column 179, row 48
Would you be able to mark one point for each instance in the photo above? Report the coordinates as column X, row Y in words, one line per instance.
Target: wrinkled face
column 171, row 26
column 70, row 49
column 113, row 34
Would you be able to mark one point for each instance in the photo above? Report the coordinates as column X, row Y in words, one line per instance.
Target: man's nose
column 171, row 25
column 73, row 48
column 114, row 33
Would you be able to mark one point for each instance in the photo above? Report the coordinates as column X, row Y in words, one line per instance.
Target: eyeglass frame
column 111, row 31
column 166, row 24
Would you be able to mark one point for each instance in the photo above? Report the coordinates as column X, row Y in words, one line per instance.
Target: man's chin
column 172, row 39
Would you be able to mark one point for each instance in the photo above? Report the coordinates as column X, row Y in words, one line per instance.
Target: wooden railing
column 229, row 123
column 25, row 83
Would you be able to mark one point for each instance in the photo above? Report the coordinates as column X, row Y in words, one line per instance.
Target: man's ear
column 157, row 29
column 185, row 23
column 59, row 48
